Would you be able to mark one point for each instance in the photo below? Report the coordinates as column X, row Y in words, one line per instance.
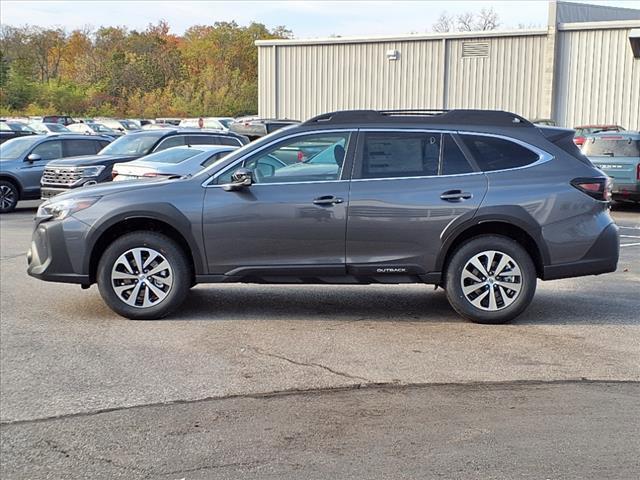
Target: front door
column 407, row 187
column 31, row 171
column 292, row 219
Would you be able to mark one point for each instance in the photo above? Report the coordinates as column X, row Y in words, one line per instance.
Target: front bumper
column 48, row 192
column 48, row 257
column 602, row 257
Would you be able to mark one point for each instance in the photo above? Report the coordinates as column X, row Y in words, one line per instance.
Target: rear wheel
column 9, row 196
column 143, row 276
column 490, row 279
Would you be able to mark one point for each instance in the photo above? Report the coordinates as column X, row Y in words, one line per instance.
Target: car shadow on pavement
column 385, row 304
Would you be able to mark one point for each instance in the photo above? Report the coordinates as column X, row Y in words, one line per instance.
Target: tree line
column 210, row 70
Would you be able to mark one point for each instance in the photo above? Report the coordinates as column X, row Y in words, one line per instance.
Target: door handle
column 455, row 195
column 327, row 200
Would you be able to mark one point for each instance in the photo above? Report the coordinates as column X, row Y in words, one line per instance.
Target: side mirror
column 241, row 178
column 34, row 157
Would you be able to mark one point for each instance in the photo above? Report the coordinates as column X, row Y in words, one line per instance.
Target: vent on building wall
column 475, row 49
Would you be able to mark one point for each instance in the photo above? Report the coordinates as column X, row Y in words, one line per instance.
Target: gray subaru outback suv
column 482, row 203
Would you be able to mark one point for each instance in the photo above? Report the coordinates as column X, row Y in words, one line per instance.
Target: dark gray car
column 22, row 161
column 481, row 203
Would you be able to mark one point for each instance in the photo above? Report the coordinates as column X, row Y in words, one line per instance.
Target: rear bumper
column 602, row 257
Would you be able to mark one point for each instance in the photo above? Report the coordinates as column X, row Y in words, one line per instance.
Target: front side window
column 399, row 154
column 317, row 157
column 49, row 150
column 175, row 141
column 492, row 153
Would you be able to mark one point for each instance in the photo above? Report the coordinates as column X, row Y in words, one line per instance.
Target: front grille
column 60, row 176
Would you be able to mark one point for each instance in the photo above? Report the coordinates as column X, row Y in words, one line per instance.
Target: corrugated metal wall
column 313, row 79
column 597, row 79
column 509, row 78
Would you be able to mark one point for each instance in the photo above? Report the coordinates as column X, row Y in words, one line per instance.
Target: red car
column 585, row 130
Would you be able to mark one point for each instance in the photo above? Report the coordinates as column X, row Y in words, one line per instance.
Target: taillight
column 598, row 187
column 638, row 172
column 114, row 174
column 150, row 174
column 578, row 141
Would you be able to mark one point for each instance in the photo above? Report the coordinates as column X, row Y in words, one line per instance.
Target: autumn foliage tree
column 210, row 70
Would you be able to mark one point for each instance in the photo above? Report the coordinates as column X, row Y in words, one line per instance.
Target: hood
column 91, row 160
column 108, row 188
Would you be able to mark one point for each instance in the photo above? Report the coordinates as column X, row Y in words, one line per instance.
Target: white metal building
column 583, row 68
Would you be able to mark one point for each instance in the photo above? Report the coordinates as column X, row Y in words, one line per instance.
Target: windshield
column 611, row 146
column 56, row 127
column 172, row 155
column 98, row 127
column 135, row 144
column 129, row 125
column 17, row 147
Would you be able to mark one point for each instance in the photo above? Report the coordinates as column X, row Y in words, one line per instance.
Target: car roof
column 204, row 148
column 599, row 126
column 76, row 136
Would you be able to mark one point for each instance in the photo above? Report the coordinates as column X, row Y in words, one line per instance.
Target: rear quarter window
column 611, row 147
column 492, row 153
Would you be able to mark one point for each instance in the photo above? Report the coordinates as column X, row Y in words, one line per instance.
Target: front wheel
column 143, row 276
column 490, row 279
column 9, row 196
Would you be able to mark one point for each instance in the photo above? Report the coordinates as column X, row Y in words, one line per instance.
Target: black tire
column 9, row 196
column 179, row 269
column 504, row 312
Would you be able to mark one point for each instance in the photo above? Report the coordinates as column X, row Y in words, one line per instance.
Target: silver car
column 183, row 160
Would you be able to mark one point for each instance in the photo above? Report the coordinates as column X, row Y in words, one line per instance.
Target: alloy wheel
column 491, row 280
column 8, row 197
column 142, row 277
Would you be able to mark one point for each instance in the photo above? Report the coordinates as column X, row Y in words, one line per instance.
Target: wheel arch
column 516, row 224
column 14, row 180
column 118, row 227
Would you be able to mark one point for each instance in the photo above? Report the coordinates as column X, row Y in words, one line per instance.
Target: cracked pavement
column 66, row 360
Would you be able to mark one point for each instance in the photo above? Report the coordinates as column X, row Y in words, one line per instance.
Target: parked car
column 584, row 131
column 217, row 123
column 22, row 161
column 617, row 155
column 11, row 129
column 185, row 160
column 93, row 128
column 173, row 121
column 123, row 126
column 66, row 174
column 478, row 202
column 254, row 128
column 46, row 128
column 61, row 119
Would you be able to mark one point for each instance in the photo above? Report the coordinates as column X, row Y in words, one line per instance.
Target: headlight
column 63, row 208
column 91, row 171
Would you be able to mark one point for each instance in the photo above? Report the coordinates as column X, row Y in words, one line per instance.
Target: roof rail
column 431, row 116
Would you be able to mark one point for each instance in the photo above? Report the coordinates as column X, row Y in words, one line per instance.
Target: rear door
column 407, row 187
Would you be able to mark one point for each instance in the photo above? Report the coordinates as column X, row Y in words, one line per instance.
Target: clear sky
column 305, row 18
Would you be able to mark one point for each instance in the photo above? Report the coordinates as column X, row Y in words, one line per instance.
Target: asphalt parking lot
column 260, row 381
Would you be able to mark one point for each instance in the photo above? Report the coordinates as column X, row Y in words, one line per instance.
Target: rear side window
column 611, row 146
column 491, row 153
column 74, row 148
column 400, row 154
column 453, row 160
